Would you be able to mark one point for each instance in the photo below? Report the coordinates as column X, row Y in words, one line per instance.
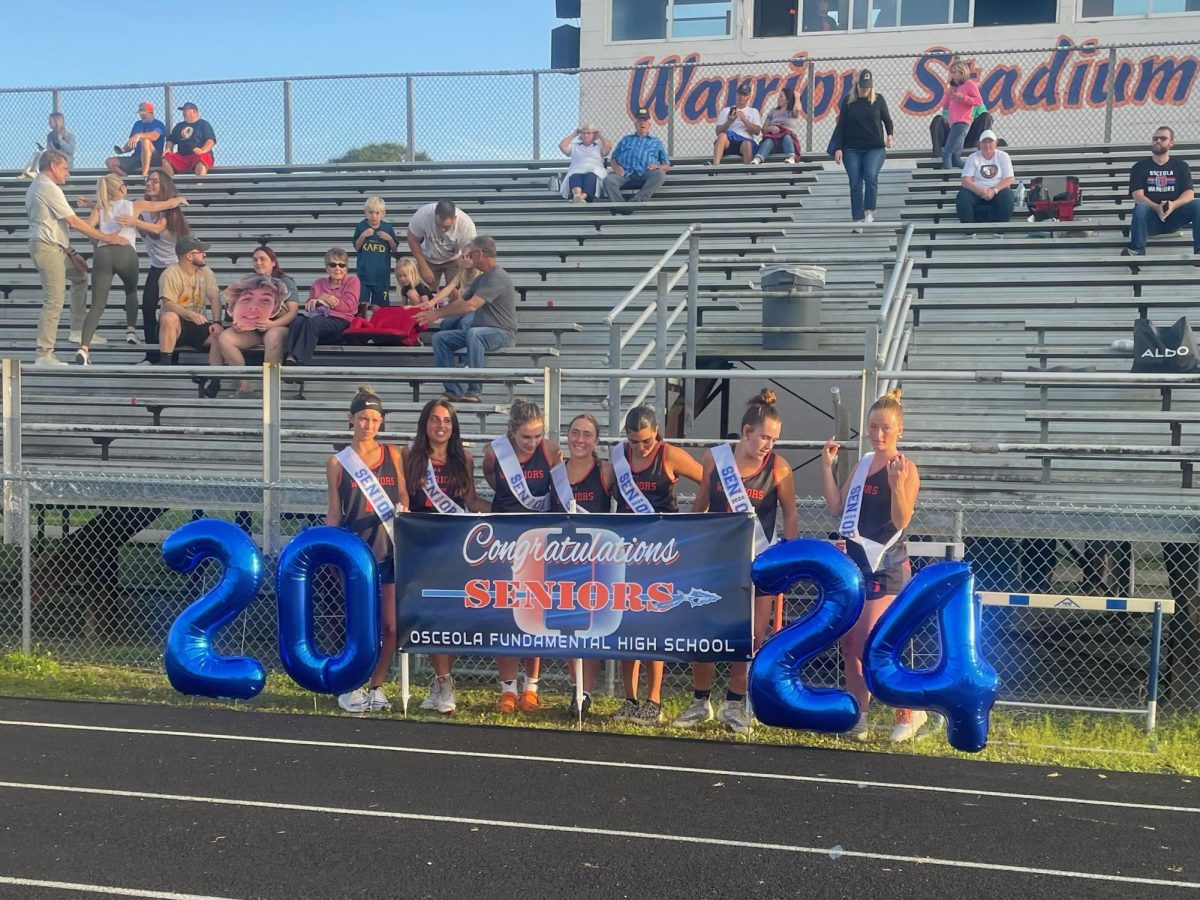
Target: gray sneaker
column 698, row 713
column 435, row 691
column 626, row 711
column 355, row 701
column 732, row 715
column 648, row 713
column 446, row 701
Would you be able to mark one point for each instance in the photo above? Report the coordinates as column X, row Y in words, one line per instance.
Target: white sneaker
column 131, row 337
column 435, row 690
column 869, row 217
column 757, row 161
column 48, row 359
column 356, row 701
column 446, row 703
column 732, row 715
column 857, row 230
column 75, row 337
column 81, row 357
column 790, row 160
column 379, row 700
column 698, row 713
column 861, row 731
column 907, row 723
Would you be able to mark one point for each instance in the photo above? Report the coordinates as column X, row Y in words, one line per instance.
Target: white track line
column 602, row 832
column 105, row 890
column 599, row 763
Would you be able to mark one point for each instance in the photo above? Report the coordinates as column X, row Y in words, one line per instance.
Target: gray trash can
column 802, row 307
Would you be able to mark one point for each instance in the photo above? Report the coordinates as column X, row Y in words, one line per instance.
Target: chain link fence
column 99, row 591
column 1083, row 93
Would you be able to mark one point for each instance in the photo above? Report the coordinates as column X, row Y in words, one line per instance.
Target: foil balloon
column 301, row 656
column 962, row 685
column 777, row 690
column 193, row 665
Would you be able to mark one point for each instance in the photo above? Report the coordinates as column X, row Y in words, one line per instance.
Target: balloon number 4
column 195, row 667
column 962, row 685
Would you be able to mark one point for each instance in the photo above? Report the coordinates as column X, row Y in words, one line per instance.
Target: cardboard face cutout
column 254, row 308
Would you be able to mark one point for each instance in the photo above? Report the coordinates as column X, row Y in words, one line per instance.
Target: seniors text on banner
column 606, row 586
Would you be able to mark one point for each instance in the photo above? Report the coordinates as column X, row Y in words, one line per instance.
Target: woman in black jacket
column 864, row 131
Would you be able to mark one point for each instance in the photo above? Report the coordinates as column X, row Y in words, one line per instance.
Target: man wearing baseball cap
column 737, row 128
column 191, row 303
column 189, row 148
column 638, row 160
column 986, row 193
column 146, row 142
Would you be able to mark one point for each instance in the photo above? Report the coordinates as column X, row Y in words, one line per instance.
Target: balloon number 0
column 962, row 685
column 195, row 667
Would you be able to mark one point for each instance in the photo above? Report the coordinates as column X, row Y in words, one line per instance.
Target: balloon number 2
column 962, row 685
column 195, row 667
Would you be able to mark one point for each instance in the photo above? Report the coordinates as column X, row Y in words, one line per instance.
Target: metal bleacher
column 1048, row 298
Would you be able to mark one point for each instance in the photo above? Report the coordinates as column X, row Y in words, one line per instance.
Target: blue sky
column 99, row 43
column 265, row 38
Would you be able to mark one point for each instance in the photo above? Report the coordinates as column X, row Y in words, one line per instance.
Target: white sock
column 531, row 684
column 443, row 679
column 508, row 687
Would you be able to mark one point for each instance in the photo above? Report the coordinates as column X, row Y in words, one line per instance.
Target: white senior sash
column 735, row 492
column 514, row 476
column 562, row 487
column 371, row 488
column 625, row 481
column 440, row 499
column 850, row 515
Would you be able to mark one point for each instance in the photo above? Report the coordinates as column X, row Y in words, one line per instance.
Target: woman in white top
column 586, row 169
column 160, row 231
column 112, row 205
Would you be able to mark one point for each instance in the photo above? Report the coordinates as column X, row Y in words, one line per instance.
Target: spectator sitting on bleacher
column 486, row 319
column 581, row 183
column 187, row 289
column 780, row 129
column 58, row 138
column 50, row 215
column 374, row 243
column 332, row 303
column 189, row 148
column 1163, row 199
column 737, row 127
column 413, row 291
column 986, row 193
column 145, row 140
column 638, row 160
column 438, row 233
column 260, row 307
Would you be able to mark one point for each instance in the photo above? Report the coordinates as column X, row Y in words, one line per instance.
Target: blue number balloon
column 303, row 660
column 193, row 666
column 962, row 686
column 779, row 695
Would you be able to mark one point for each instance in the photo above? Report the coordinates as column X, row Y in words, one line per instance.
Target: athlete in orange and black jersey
column 654, row 481
column 590, row 492
column 875, row 523
column 762, row 488
column 537, row 476
column 358, row 516
column 416, row 490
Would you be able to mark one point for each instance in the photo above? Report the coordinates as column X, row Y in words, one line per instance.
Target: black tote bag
column 1171, row 348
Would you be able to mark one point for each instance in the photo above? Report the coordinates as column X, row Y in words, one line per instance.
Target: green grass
column 1057, row 739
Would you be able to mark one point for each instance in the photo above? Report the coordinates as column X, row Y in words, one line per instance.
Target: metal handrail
column 649, row 276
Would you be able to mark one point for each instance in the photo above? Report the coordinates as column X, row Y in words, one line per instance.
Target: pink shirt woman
column 332, row 303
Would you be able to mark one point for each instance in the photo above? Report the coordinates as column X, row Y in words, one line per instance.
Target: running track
column 104, row 800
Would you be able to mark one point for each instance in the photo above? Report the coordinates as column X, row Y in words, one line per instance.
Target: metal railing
column 885, row 342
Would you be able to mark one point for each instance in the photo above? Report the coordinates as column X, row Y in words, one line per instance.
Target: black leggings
column 150, row 310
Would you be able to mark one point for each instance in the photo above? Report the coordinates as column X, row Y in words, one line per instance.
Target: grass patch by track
column 1058, row 739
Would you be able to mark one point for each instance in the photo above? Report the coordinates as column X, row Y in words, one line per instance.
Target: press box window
column 1015, row 12
column 1109, row 9
column 639, row 20
column 647, row 20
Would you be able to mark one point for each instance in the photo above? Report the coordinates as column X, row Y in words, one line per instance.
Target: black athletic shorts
column 193, row 335
column 894, row 572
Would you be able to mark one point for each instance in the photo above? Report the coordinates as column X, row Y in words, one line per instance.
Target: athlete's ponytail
column 759, row 409
column 889, row 402
column 641, row 417
column 522, row 412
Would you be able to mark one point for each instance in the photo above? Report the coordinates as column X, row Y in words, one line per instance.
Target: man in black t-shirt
column 1163, row 199
column 191, row 143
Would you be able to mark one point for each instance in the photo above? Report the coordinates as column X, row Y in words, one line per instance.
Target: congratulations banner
column 672, row 587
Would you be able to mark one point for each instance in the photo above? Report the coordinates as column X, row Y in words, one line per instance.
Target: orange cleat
column 529, row 702
column 507, row 704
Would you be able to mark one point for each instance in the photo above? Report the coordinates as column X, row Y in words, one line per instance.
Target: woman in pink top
column 332, row 303
column 962, row 96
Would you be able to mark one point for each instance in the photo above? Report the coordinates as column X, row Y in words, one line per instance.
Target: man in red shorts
column 189, row 148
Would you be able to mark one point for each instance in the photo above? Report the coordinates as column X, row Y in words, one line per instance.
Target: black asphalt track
column 327, row 807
